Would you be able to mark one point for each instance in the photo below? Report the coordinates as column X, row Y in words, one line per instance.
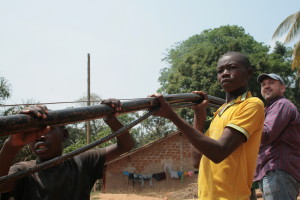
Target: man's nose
column 266, row 86
column 225, row 72
column 42, row 137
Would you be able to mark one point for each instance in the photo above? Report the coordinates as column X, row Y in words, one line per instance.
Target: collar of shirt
column 240, row 99
column 273, row 100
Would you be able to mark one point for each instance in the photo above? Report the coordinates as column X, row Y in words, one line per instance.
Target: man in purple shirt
column 278, row 162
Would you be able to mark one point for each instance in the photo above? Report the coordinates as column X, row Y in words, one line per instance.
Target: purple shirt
column 280, row 142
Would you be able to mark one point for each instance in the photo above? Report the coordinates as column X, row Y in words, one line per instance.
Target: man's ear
column 282, row 88
column 250, row 73
column 65, row 134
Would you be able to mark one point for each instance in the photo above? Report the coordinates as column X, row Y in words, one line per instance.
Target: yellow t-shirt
column 232, row 178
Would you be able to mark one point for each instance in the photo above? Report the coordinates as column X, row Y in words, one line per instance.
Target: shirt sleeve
column 93, row 161
column 248, row 118
column 277, row 118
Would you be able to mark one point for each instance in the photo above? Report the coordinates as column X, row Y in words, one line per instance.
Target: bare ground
column 171, row 196
column 184, row 194
column 188, row 193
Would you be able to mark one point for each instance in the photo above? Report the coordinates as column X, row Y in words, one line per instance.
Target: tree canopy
column 4, row 89
column 192, row 63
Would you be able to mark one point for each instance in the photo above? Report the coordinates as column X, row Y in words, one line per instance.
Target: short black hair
column 242, row 58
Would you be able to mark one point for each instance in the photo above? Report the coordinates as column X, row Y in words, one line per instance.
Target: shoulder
column 284, row 104
column 253, row 103
column 250, row 109
column 92, row 161
column 92, row 154
column 255, row 100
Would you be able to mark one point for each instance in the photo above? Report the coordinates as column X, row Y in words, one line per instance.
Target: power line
column 62, row 102
column 32, row 104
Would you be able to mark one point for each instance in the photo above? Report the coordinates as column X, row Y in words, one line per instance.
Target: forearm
column 7, row 156
column 196, row 157
column 199, row 123
column 209, row 147
column 199, row 119
column 124, row 141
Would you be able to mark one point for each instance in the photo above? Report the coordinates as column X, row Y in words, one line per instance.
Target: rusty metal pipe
column 22, row 122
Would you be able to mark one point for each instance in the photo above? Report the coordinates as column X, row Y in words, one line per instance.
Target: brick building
column 163, row 165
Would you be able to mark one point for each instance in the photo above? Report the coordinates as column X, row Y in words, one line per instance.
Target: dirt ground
column 184, row 194
column 122, row 197
column 135, row 197
column 187, row 193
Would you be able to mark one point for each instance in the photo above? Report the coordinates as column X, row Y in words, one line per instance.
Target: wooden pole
column 88, row 132
column 88, row 124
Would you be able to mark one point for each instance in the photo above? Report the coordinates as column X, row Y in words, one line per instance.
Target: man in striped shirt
column 278, row 163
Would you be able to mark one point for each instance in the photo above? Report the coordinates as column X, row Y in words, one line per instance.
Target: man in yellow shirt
column 230, row 146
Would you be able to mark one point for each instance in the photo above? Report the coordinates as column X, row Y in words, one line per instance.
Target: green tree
column 4, row 92
column 192, row 63
column 99, row 129
column 152, row 129
column 96, row 125
column 77, row 137
column 4, row 89
column 291, row 27
column 77, row 131
column 280, row 61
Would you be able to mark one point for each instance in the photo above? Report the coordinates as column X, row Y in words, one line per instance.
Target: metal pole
column 21, row 122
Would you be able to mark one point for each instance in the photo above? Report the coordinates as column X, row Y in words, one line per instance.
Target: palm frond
column 290, row 25
column 296, row 57
column 295, row 28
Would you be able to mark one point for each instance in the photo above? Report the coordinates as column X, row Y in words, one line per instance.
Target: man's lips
column 267, row 91
column 40, row 147
column 225, row 81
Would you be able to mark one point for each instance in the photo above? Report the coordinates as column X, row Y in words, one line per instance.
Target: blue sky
column 44, row 44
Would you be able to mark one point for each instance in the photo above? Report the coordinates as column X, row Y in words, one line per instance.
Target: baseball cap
column 261, row 77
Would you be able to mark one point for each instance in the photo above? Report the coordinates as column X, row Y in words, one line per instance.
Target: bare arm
column 16, row 142
column 124, row 142
column 7, row 156
column 199, row 121
column 215, row 150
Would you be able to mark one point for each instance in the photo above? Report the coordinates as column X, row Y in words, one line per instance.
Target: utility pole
column 88, row 132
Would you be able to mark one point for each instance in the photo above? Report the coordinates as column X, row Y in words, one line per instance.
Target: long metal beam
column 22, row 122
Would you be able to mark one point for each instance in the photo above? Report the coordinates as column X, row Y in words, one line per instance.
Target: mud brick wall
column 172, row 153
